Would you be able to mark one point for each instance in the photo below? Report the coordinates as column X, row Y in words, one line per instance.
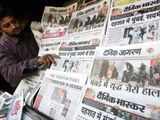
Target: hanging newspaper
column 86, row 29
column 127, row 84
column 57, row 16
column 60, row 95
column 133, row 22
column 55, row 23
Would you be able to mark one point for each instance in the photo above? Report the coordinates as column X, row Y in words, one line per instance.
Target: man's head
column 9, row 24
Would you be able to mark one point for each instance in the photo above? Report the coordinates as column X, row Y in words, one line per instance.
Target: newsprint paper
column 126, row 85
column 55, row 22
column 86, row 29
column 133, row 22
column 60, row 94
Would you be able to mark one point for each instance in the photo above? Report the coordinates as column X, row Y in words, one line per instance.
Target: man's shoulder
column 4, row 42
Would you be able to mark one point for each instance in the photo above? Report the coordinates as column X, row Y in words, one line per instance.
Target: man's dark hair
column 5, row 11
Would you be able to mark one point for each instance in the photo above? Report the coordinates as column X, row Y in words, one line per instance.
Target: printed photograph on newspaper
column 89, row 18
column 73, row 65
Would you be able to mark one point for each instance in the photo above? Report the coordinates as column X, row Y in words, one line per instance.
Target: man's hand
column 47, row 59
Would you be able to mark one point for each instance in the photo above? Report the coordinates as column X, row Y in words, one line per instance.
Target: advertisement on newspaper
column 60, row 95
column 133, row 22
column 127, row 80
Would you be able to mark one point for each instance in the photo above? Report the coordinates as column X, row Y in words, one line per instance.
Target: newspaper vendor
column 18, row 50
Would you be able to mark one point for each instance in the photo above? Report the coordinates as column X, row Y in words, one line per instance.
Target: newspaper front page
column 57, row 16
column 126, row 84
column 60, row 94
column 133, row 22
column 55, row 22
column 86, row 29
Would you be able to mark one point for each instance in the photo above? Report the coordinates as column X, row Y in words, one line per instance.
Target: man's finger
column 49, row 62
column 52, row 59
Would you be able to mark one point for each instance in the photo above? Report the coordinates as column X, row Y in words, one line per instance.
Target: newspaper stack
column 5, row 104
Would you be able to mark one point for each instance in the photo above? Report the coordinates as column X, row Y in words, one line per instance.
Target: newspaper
column 57, row 16
column 60, row 95
column 127, row 79
column 15, row 112
column 89, row 18
column 86, row 28
column 92, row 109
column 133, row 22
column 55, row 22
column 5, row 104
column 29, row 86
